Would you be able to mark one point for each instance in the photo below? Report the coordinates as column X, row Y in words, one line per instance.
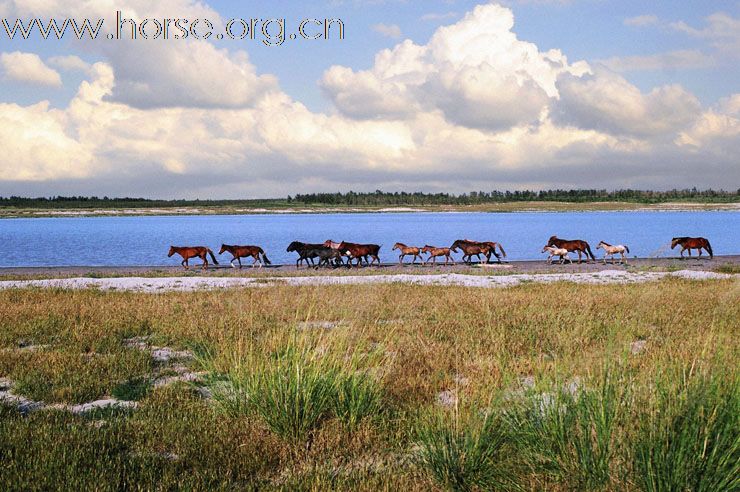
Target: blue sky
column 676, row 60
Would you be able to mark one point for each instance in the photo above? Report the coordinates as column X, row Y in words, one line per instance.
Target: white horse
column 561, row 252
column 610, row 250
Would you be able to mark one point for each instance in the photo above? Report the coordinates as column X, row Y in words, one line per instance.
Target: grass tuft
column 568, row 435
column 463, row 455
column 689, row 439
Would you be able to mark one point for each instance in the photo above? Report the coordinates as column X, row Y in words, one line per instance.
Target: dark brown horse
column 697, row 243
column 573, row 245
column 306, row 252
column 407, row 250
column 188, row 252
column 435, row 252
column 239, row 252
column 360, row 251
column 470, row 248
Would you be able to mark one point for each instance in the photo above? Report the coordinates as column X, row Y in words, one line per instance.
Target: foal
column 434, row 252
column 610, row 250
column 561, row 252
column 407, row 250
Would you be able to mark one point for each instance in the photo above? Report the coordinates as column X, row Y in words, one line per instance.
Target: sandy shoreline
column 492, row 207
column 166, row 284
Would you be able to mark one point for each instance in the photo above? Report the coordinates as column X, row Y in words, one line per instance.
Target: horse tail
column 709, row 248
column 265, row 260
column 588, row 248
column 502, row 249
column 626, row 249
column 213, row 257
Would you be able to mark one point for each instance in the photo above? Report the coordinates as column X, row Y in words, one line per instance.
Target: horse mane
column 605, row 243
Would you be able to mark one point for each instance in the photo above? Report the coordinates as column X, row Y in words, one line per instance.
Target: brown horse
column 435, row 252
column 360, row 251
column 470, row 248
column 188, row 252
column 239, row 252
column 407, row 250
column 573, row 245
column 697, row 243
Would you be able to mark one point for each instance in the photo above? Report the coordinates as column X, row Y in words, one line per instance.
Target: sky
column 420, row 95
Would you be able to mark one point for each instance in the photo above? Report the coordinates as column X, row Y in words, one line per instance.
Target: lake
column 143, row 241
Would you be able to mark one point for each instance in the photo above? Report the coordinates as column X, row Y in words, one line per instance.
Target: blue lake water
column 134, row 241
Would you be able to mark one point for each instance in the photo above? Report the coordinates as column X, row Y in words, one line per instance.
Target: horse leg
column 184, row 264
column 205, row 262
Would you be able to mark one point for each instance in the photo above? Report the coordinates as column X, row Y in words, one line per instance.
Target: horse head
column 676, row 241
column 294, row 246
column 171, row 252
column 546, row 248
column 552, row 241
column 223, row 248
column 396, row 246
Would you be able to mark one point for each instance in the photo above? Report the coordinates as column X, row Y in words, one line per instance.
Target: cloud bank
column 473, row 108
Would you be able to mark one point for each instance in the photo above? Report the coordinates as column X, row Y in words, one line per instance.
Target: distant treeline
column 482, row 197
column 380, row 198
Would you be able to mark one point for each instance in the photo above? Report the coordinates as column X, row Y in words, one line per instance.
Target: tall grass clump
column 358, row 396
column 292, row 393
column 295, row 390
column 689, row 438
column 568, row 436
column 463, row 455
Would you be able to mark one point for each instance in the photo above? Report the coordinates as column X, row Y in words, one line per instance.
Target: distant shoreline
column 503, row 207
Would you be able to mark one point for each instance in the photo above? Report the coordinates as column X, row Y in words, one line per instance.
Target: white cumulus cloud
column 28, row 68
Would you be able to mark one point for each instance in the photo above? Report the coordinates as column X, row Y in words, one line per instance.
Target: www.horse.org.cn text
column 271, row 32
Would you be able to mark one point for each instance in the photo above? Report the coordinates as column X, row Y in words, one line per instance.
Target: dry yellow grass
column 476, row 343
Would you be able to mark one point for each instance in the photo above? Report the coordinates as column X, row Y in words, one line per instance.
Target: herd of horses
column 333, row 254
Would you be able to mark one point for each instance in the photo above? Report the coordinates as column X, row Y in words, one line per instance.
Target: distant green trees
column 352, row 198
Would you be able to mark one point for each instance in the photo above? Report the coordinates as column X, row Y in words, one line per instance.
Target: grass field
column 365, row 387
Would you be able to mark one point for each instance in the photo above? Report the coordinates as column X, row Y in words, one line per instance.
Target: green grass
column 464, row 455
column 295, row 391
column 567, row 434
column 688, row 437
column 355, row 407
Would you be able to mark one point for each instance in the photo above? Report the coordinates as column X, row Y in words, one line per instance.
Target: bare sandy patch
column 185, row 284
